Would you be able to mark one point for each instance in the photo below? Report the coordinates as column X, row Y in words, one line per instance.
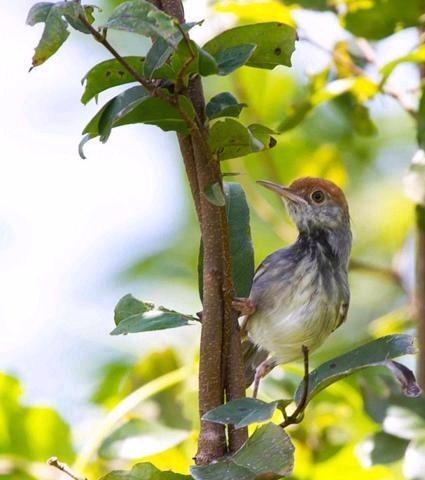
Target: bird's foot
column 262, row 370
column 245, row 306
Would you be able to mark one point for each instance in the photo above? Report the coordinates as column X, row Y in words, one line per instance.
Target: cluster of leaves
column 165, row 71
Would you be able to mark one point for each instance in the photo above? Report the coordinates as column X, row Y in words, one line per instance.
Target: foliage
column 28, row 435
column 324, row 122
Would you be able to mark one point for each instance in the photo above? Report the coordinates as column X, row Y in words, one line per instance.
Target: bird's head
column 314, row 204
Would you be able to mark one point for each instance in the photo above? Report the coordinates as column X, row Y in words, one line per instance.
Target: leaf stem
column 101, row 38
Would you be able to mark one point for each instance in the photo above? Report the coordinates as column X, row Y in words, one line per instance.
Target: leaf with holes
column 268, row 453
column 376, row 353
column 275, row 43
column 143, row 18
column 108, row 74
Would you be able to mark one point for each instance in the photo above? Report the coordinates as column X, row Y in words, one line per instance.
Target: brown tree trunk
column 220, row 367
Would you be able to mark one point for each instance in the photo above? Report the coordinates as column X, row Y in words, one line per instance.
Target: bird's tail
column 253, row 357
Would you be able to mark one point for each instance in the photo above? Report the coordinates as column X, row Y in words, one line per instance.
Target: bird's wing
column 342, row 314
column 272, row 259
column 345, row 302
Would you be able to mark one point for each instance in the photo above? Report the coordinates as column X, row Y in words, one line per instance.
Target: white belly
column 308, row 319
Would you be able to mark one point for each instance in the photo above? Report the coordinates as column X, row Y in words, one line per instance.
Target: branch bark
column 221, row 367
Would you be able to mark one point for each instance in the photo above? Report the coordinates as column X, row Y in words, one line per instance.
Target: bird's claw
column 245, row 306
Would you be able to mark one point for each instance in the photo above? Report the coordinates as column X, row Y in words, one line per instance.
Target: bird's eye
column 318, row 196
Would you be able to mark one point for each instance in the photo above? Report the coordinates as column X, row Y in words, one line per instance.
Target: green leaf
column 133, row 316
column 362, row 121
column 275, row 43
column 372, row 354
column 214, row 194
column 295, row 116
column 77, row 24
column 144, row 471
column 382, row 448
column 230, row 59
column 206, row 63
column 30, row 433
column 137, row 438
column 143, row 18
column 129, row 306
column 118, row 108
column 110, row 378
column 38, row 13
column 157, row 56
column 380, row 18
column 224, row 105
column 230, row 139
column 55, row 29
column 264, row 134
column 268, row 452
column 418, row 56
column 241, row 248
column 108, row 74
column 161, row 51
column 131, row 107
column 242, row 412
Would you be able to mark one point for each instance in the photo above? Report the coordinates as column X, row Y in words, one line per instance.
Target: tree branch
column 220, row 351
column 63, row 467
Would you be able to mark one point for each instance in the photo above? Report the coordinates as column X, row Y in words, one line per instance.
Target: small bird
column 300, row 293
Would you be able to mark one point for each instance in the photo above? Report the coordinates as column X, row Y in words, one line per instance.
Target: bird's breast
column 299, row 307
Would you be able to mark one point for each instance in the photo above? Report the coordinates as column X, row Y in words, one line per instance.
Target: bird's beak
column 284, row 192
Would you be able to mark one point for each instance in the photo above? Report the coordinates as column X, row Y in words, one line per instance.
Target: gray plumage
column 301, row 292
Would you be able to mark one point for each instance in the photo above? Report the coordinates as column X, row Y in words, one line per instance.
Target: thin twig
column 187, row 62
column 398, row 96
column 101, row 38
column 384, row 272
column 298, row 413
column 63, row 467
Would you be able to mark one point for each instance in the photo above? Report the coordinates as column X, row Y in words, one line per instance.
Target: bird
column 300, row 294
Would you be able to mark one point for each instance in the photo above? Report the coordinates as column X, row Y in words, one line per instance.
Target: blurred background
column 76, row 235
